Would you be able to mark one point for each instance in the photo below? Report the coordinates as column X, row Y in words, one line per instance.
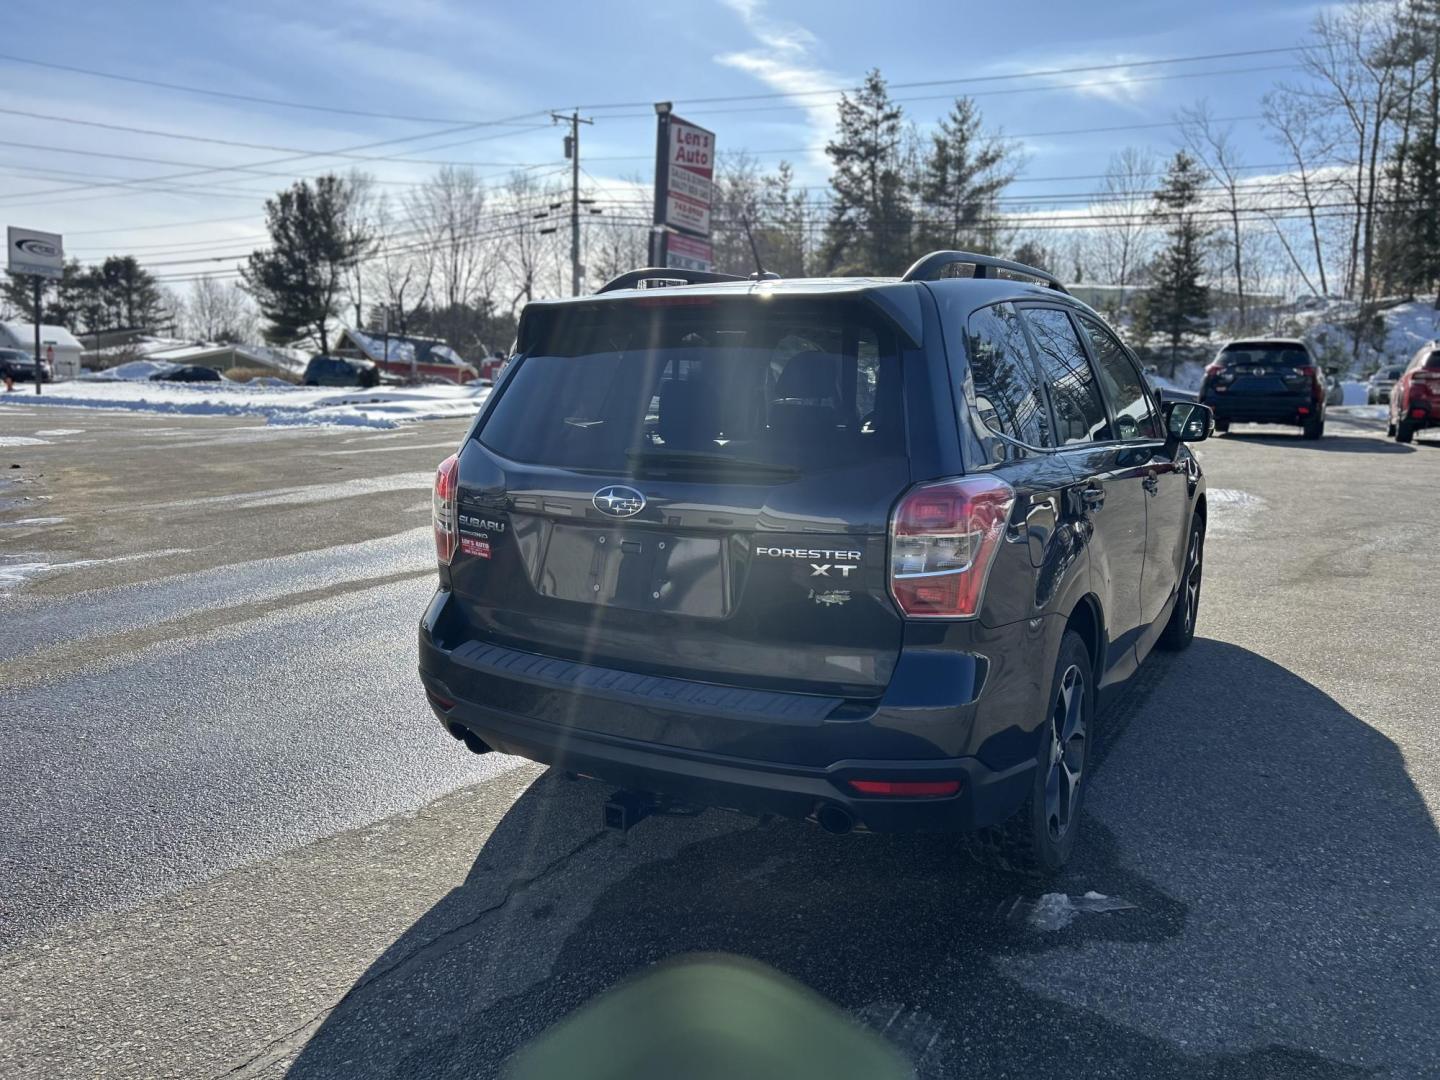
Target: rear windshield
column 663, row 385
column 1265, row 353
column 1432, row 362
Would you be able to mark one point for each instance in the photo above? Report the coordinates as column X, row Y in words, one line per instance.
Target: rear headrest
column 686, row 417
column 810, row 378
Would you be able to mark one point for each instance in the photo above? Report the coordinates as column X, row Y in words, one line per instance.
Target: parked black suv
column 338, row 371
column 1266, row 381
column 857, row 550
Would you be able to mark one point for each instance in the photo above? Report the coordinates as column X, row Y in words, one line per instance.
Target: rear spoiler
column 899, row 306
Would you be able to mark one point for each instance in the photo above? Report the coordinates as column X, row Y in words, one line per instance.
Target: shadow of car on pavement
column 1335, row 444
column 1283, row 867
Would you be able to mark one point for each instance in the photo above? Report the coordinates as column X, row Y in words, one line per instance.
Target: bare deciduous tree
column 448, row 216
column 1308, row 139
column 218, row 311
column 1350, row 62
column 1212, row 145
column 1123, row 238
column 527, row 252
column 401, row 270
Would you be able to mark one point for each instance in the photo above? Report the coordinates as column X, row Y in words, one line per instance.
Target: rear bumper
column 568, row 715
column 1421, row 412
column 1263, row 408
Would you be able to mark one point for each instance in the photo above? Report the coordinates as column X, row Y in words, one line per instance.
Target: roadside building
column 57, row 345
column 404, row 355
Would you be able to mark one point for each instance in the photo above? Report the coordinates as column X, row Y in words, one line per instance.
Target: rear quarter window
column 1004, row 388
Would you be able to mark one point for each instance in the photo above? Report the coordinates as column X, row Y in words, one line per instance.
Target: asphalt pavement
column 237, row 845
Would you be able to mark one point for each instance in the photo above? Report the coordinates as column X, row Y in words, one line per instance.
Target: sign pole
column 41, row 255
column 36, row 279
column 662, row 181
column 684, row 192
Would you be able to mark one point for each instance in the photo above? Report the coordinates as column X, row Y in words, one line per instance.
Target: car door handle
column 1093, row 496
column 1150, row 483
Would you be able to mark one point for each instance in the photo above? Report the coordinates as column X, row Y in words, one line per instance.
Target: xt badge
column 817, row 569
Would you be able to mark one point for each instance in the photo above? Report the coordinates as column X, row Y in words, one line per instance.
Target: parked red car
column 1415, row 399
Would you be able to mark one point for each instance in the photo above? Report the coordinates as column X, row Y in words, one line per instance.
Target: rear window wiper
column 657, row 459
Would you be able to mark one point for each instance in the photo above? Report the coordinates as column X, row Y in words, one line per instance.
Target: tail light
column 447, row 525
column 1423, row 383
column 943, row 538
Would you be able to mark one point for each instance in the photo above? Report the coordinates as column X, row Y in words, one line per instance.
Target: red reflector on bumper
column 443, row 704
column 906, row 788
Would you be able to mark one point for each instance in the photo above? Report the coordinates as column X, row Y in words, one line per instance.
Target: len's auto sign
column 691, row 175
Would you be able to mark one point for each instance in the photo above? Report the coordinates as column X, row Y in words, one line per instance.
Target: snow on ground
column 134, row 371
column 22, row 440
column 379, row 408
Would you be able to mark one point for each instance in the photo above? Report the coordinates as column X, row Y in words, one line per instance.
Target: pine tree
column 1177, row 302
column 314, row 239
column 962, row 173
column 870, row 213
column 128, row 292
column 1408, row 249
column 786, row 219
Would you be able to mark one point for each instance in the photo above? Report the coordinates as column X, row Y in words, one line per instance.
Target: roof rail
column 631, row 278
column 928, row 267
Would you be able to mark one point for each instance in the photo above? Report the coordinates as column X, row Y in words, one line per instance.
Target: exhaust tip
column 473, row 742
column 835, row 819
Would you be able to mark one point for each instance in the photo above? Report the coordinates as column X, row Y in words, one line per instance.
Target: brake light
column 943, row 538
column 447, row 525
column 904, row 788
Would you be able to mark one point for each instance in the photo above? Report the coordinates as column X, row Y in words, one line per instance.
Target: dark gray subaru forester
column 865, row 551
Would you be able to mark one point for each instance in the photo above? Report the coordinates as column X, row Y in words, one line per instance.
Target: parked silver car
column 1379, row 385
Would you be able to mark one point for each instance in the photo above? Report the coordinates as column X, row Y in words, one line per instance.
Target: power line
column 959, row 81
column 906, row 99
column 1020, row 135
column 253, row 99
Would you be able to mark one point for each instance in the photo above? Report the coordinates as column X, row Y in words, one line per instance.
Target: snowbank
column 134, row 371
column 285, row 404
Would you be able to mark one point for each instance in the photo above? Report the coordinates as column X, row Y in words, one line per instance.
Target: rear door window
column 1119, row 378
column 1079, row 411
column 704, row 386
column 1005, row 385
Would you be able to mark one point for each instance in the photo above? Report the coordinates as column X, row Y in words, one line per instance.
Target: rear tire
column 1390, row 430
column 1313, row 429
column 1222, row 426
column 1180, row 630
column 1039, row 839
column 1404, row 431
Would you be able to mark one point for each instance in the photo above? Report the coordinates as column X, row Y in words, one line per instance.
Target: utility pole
column 572, row 151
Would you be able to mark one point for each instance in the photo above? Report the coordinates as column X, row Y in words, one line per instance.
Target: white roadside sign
column 39, row 253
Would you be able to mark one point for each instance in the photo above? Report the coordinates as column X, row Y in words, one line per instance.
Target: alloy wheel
column 1067, row 753
column 1192, row 581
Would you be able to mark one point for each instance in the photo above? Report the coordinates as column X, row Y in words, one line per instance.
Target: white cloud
column 784, row 59
column 1123, row 86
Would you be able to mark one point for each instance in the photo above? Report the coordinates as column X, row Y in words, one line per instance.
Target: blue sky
column 446, row 62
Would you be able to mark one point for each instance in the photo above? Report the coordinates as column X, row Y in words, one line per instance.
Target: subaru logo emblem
column 618, row 501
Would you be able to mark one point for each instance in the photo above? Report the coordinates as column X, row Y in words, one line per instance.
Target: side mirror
column 1187, row 421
